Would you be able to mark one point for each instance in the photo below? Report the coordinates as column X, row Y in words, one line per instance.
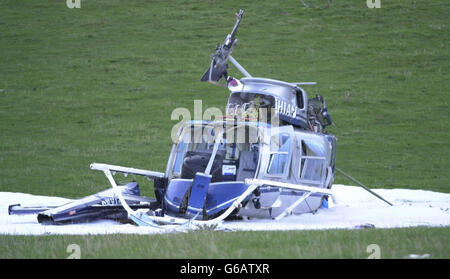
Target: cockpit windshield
column 236, row 157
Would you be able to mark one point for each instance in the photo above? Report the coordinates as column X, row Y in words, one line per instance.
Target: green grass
column 393, row 243
column 98, row 84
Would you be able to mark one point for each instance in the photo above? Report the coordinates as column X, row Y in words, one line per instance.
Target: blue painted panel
column 198, row 192
column 175, row 192
column 220, row 195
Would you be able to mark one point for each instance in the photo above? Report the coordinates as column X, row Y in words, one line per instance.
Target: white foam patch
column 352, row 207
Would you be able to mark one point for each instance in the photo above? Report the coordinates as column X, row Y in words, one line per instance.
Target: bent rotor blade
column 363, row 186
column 216, row 74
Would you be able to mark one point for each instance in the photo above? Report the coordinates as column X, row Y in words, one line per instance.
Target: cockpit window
column 236, row 158
column 179, row 156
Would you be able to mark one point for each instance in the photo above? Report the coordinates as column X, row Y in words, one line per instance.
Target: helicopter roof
column 288, row 99
column 266, row 86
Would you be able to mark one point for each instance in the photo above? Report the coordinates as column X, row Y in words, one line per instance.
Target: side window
column 302, row 158
column 313, row 170
column 280, row 146
column 300, row 99
column 312, row 167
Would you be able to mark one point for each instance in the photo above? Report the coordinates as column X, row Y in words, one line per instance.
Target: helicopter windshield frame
column 238, row 145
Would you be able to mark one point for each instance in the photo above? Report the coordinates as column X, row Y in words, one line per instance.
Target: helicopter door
column 275, row 165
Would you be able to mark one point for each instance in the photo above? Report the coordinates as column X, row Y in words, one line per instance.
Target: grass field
column 206, row 244
column 99, row 83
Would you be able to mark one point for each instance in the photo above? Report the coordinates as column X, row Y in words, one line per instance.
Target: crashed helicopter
column 269, row 157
